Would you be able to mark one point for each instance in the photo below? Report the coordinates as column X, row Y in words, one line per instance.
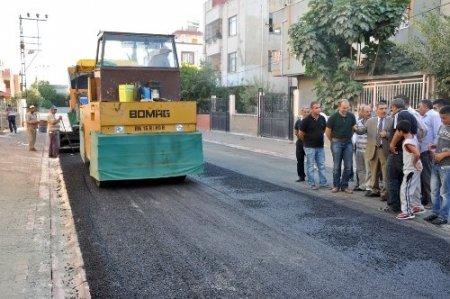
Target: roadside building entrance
column 220, row 115
column 275, row 116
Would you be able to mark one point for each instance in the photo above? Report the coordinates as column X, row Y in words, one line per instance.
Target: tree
column 430, row 50
column 324, row 40
column 198, row 83
column 249, row 96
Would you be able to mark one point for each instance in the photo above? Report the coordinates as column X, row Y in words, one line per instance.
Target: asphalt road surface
column 225, row 234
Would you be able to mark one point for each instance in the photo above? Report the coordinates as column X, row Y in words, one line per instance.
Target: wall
column 305, row 89
column 244, row 124
column 203, row 122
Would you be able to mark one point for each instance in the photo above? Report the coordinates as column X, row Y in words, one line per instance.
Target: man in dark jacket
column 394, row 162
column 299, row 150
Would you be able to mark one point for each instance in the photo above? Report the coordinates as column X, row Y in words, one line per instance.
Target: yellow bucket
column 126, row 93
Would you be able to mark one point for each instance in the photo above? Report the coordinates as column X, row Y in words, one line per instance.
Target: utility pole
column 25, row 40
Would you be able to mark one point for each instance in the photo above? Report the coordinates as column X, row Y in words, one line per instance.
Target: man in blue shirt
column 432, row 121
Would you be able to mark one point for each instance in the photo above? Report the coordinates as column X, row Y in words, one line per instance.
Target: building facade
column 239, row 41
column 189, row 44
column 284, row 13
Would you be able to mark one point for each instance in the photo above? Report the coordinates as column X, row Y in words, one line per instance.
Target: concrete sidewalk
column 40, row 257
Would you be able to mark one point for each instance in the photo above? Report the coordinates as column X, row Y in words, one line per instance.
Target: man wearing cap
column 53, row 132
column 160, row 58
column 32, row 123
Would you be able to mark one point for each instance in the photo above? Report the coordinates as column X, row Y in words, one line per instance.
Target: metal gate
column 275, row 116
column 415, row 88
column 220, row 116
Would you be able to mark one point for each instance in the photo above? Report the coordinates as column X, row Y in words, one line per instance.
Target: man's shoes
column 372, row 194
column 439, row 221
column 348, row 190
column 430, row 217
column 428, row 206
column 301, row 179
column 314, row 187
column 405, row 216
column 33, row 149
column 326, row 186
column 335, row 189
column 357, row 189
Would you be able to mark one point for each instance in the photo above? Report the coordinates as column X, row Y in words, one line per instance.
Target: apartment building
column 8, row 83
column 239, row 41
column 189, row 42
column 284, row 13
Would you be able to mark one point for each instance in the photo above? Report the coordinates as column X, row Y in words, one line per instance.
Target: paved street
column 40, row 253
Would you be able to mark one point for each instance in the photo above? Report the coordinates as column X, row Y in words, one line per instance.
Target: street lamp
column 28, row 40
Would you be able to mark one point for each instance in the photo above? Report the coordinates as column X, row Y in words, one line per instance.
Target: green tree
column 46, row 90
column 198, row 83
column 390, row 59
column 324, row 39
column 249, row 95
column 34, row 97
column 430, row 50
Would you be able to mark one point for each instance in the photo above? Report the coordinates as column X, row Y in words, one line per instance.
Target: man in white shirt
column 432, row 121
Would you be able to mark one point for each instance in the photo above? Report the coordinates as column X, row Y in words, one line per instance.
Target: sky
column 70, row 31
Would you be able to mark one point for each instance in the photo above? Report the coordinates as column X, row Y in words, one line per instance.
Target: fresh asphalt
column 247, row 230
column 239, row 232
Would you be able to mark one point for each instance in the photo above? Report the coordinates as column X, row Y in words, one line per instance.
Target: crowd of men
column 401, row 156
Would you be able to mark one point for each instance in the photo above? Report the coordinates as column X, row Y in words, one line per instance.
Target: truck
column 132, row 123
column 78, row 77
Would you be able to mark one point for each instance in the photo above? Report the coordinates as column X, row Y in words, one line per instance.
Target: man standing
column 311, row 133
column 439, row 103
column 53, row 132
column 339, row 131
column 377, row 150
column 394, row 163
column 299, row 150
column 362, row 164
column 11, row 115
column 440, row 175
column 32, row 123
column 432, row 121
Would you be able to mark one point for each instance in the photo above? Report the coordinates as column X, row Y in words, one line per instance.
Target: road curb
column 68, row 274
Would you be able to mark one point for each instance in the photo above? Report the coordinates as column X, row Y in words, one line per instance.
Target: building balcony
column 213, row 46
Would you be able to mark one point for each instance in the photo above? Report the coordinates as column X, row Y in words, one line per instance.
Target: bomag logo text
column 149, row 113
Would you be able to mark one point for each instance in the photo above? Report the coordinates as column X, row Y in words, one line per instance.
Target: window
column 232, row 62
column 188, row 57
column 270, row 23
column 232, row 26
column 274, row 59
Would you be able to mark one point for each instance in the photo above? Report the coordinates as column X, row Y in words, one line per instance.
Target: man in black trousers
column 299, row 150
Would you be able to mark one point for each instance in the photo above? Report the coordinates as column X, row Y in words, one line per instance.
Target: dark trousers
column 12, row 123
column 300, row 154
column 425, row 177
column 53, row 148
column 394, row 173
